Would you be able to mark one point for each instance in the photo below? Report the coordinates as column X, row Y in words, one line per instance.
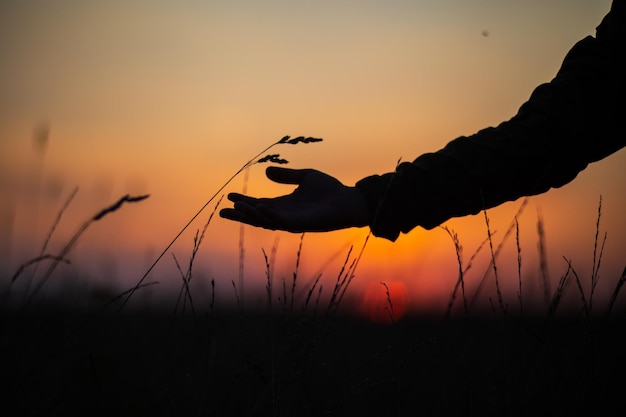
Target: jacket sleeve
column 575, row 119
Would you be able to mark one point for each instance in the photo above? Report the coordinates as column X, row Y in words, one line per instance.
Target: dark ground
column 65, row 363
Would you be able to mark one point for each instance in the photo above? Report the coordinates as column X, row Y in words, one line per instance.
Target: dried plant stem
column 618, row 287
column 273, row 382
column 585, row 304
column 295, row 272
column 56, row 222
column 70, row 244
column 497, row 252
column 460, row 281
column 556, row 297
column 242, row 249
column 186, row 277
column 597, row 257
column 351, row 272
column 310, row 292
column 519, row 268
column 543, row 257
column 184, row 291
column 22, row 268
column 389, row 306
column 493, row 263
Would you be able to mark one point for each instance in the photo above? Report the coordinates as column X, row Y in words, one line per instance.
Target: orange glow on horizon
column 385, row 302
column 171, row 101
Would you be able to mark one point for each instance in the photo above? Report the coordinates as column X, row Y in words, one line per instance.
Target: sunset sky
column 172, row 98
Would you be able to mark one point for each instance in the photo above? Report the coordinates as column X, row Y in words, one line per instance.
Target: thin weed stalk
column 497, row 251
column 340, row 281
column 352, row 271
column 273, row 381
column 295, row 272
column 310, row 293
column 389, row 305
column 302, row 289
column 581, row 291
column 42, row 254
column 270, row 262
column 242, row 249
column 597, row 257
column 458, row 249
column 344, row 278
column 70, row 244
column 197, row 241
column 519, row 268
column 558, row 294
column 618, row 287
column 209, row 334
column 184, row 288
column 20, row 270
column 543, row 257
column 55, row 223
column 460, row 282
column 493, row 264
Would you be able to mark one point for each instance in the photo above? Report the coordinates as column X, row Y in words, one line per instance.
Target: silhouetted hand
column 320, row 203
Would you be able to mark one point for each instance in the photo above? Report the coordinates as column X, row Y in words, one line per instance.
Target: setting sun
column 386, row 301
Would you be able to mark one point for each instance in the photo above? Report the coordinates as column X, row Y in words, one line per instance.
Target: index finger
column 235, row 197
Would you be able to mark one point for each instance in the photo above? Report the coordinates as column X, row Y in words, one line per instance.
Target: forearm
column 575, row 119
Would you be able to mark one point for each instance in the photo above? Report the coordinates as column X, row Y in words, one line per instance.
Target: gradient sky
column 172, row 98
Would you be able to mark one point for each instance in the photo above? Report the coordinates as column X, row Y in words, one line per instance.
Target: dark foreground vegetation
column 59, row 362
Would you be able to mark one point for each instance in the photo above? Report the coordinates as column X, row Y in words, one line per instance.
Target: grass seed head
column 275, row 158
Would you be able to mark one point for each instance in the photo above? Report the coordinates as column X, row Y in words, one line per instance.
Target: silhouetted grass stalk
column 42, row 254
column 618, row 287
column 55, row 223
column 543, row 257
column 295, row 272
column 242, row 249
column 389, row 305
column 310, row 293
column 597, row 257
column 494, row 265
column 556, row 297
column 519, row 268
column 497, row 251
column 185, row 292
column 70, row 244
column 581, row 291
column 342, row 285
column 273, row 382
column 458, row 249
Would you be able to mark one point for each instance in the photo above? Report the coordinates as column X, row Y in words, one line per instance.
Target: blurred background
column 172, row 98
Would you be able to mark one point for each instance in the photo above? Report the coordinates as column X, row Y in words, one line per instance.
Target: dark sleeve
column 575, row 119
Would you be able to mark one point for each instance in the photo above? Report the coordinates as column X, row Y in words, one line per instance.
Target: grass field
column 62, row 362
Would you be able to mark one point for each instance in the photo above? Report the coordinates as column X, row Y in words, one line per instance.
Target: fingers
column 252, row 201
column 245, row 213
column 286, row 175
column 246, row 210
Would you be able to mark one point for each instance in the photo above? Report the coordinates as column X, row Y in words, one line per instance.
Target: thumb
column 286, row 175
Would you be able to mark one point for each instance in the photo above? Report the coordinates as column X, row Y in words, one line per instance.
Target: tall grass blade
column 70, row 244
column 543, row 258
column 618, row 287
